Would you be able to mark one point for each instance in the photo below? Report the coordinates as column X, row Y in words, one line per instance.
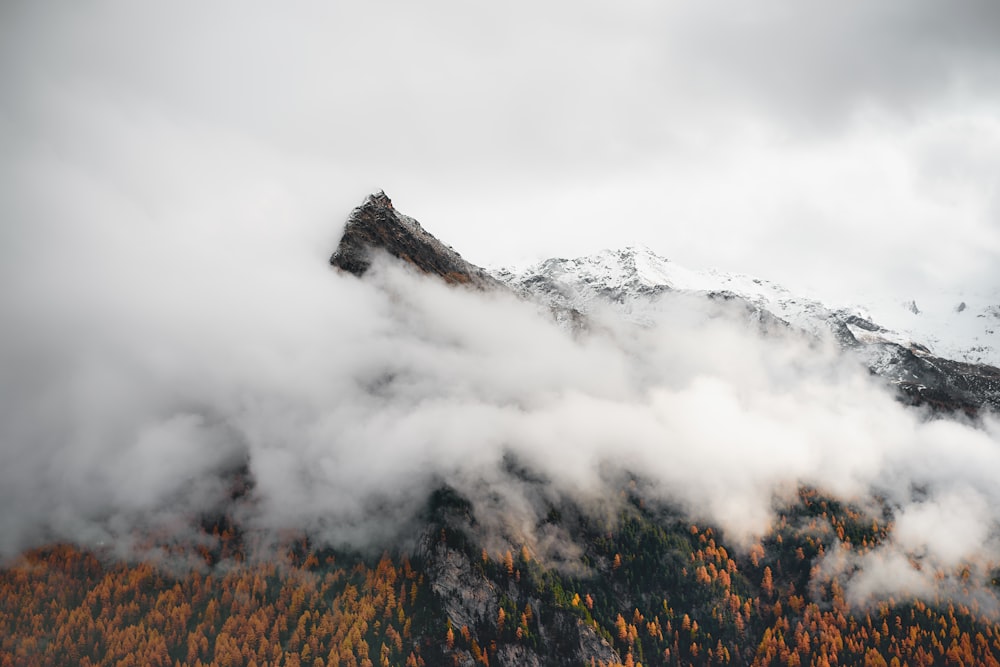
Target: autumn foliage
column 656, row 590
column 63, row 606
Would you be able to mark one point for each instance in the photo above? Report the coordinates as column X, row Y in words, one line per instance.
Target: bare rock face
column 376, row 226
column 469, row 598
column 516, row 655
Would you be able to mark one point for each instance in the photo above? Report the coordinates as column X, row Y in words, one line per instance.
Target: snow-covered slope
column 963, row 326
column 942, row 328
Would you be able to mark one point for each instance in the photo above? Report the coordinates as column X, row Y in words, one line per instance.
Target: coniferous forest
column 652, row 587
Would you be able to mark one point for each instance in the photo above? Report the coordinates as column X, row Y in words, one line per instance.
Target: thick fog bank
column 150, row 362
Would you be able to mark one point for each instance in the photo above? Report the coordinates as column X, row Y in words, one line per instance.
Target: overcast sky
column 847, row 148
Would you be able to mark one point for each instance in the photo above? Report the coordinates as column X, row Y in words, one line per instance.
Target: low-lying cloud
column 146, row 360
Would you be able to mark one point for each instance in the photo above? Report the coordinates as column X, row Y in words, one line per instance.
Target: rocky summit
column 376, row 227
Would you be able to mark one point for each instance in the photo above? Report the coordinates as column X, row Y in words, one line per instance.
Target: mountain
column 632, row 275
column 960, row 327
column 502, row 564
column 631, row 280
column 963, row 326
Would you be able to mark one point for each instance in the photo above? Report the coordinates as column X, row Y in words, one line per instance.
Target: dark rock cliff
column 376, row 226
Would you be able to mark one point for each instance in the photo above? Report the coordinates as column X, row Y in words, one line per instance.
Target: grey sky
column 843, row 147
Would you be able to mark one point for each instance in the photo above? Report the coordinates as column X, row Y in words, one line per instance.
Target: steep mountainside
column 632, row 279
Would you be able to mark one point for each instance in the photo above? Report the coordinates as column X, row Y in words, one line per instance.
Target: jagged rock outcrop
column 468, row 597
column 376, row 226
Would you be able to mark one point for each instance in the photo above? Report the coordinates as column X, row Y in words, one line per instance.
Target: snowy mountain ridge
column 630, row 282
column 963, row 327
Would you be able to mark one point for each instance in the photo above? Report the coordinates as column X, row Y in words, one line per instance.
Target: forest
column 653, row 588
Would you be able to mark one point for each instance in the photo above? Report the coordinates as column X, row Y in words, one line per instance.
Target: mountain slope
column 633, row 278
column 966, row 332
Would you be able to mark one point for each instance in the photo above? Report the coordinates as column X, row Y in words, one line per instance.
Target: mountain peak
column 376, row 226
column 378, row 199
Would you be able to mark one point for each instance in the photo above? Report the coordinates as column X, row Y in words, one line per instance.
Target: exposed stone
column 467, row 596
column 517, row 655
column 376, row 226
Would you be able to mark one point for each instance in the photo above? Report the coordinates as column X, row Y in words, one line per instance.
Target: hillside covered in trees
column 648, row 589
